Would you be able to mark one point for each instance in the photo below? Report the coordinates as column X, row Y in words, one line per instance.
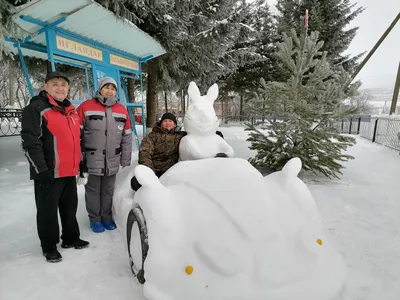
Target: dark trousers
column 99, row 192
column 62, row 196
column 135, row 185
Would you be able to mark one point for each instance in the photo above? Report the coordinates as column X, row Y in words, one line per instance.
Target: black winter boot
column 77, row 244
column 52, row 255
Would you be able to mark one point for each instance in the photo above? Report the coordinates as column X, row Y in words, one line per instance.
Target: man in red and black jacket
column 51, row 140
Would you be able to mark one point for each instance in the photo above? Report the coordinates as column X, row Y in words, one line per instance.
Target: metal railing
column 10, row 121
column 241, row 121
column 381, row 130
column 232, row 121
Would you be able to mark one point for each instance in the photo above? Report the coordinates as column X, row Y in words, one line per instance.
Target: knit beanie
column 168, row 116
column 106, row 80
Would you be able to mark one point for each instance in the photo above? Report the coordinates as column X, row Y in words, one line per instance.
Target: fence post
column 351, row 119
column 359, row 124
column 375, row 127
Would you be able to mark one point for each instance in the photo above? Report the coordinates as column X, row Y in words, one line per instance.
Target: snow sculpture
column 218, row 230
column 201, row 124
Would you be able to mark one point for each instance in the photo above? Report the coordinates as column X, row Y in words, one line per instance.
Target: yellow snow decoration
column 189, row 270
column 319, row 241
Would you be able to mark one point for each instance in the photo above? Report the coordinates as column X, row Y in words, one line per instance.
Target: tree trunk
column 165, row 102
column 131, row 90
column 48, row 67
column 183, row 106
column 11, row 88
column 263, row 113
column 74, row 95
column 241, row 108
column 19, row 89
column 151, row 102
column 179, row 103
column 222, row 109
column 225, row 106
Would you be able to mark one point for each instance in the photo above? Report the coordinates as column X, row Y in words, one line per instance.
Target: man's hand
column 82, row 178
column 46, row 178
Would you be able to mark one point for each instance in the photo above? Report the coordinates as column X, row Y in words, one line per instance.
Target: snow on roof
column 90, row 20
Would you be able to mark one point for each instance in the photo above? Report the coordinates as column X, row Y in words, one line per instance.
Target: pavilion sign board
column 124, row 62
column 74, row 47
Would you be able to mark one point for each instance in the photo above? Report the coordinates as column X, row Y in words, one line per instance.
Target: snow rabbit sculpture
column 201, row 124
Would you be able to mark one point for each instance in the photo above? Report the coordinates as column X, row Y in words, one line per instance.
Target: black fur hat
column 168, row 116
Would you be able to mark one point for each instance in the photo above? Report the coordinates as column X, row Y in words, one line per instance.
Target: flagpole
column 306, row 21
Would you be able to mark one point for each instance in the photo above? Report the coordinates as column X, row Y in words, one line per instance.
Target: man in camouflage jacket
column 159, row 150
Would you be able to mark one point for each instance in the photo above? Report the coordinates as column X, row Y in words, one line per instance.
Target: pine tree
column 246, row 79
column 198, row 35
column 330, row 18
column 7, row 27
column 307, row 104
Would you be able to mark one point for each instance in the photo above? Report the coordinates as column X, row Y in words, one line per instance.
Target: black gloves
column 221, row 155
column 82, row 179
column 45, row 178
column 83, row 169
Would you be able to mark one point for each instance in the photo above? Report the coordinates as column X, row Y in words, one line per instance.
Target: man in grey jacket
column 108, row 144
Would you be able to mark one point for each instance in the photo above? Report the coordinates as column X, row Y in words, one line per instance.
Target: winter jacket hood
column 106, row 101
column 64, row 105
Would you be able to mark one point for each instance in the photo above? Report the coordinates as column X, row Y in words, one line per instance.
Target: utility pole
column 395, row 92
column 375, row 48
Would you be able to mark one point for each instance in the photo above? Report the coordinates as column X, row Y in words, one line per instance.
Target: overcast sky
column 381, row 69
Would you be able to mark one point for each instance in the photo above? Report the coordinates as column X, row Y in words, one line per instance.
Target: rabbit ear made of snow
column 292, row 168
column 146, row 177
column 212, row 93
column 193, row 91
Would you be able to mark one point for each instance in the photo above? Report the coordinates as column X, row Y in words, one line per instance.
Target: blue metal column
column 131, row 116
column 143, row 118
column 118, row 80
column 87, row 84
column 94, row 75
column 25, row 70
column 50, row 41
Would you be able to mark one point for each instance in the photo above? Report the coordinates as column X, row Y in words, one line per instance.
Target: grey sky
column 381, row 69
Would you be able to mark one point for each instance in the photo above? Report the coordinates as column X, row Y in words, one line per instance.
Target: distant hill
column 381, row 99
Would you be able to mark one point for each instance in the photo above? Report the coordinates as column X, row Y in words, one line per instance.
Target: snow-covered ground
column 361, row 213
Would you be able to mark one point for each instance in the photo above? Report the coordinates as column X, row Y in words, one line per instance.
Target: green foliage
column 308, row 104
column 201, row 37
column 331, row 18
column 247, row 76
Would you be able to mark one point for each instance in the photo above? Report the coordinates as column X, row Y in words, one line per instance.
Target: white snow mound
column 243, row 236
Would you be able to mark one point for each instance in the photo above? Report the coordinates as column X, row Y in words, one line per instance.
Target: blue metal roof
column 90, row 20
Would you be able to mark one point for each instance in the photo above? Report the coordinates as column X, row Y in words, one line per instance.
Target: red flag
column 306, row 20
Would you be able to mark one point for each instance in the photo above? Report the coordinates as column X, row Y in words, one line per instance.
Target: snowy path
column 361, row 211
column 98, row 272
